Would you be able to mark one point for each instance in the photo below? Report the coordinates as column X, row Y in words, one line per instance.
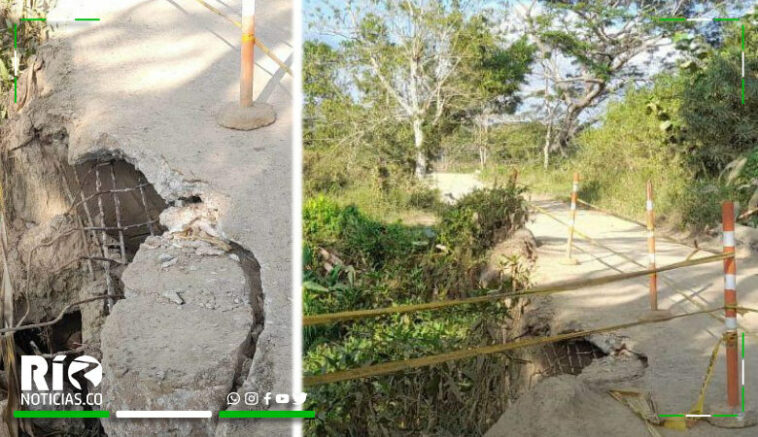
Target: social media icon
column 251, row 398
column 233, row 398
column 282, row 398
column 299, row 398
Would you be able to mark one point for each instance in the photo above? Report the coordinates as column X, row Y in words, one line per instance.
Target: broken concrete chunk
column 197, row 284
column 151, row 243
column 208, row 250
column 162, row 356
column 173, row 296
column 170, row 263
column 563, row 402
column 193, row 217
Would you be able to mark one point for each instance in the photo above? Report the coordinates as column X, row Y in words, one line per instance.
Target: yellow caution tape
column 683, row 423
column 669, row 282
column 556, row 287
column 658, row 234
column 258, row 42
column 248, row 37
column 642, row 405
column 396, row 366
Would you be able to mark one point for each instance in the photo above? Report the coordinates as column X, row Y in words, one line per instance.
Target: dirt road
column 677, row 352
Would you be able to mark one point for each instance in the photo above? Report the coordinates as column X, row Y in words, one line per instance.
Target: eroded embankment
column 555, row 386
column 174, row 307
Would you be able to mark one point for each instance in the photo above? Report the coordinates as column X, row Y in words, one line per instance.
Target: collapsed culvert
column 70, row 228
column 68, row 232
column 185, row 334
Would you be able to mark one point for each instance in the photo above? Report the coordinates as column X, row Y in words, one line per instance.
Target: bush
column 387, row 264
column 521, row 142
column 482, row 218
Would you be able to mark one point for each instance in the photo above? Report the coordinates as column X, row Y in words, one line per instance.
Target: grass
column 395, row 205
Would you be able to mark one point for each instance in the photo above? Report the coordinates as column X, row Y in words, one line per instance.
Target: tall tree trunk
column 546, row 149
column 567, row 129
column 418, row 139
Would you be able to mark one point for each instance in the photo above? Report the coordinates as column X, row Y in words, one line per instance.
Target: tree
column 410, row 54
column 600, row 44
column 491, row 78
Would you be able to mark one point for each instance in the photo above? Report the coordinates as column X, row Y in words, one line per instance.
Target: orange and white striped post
column 247, row 114
column 247, row 62
column 651, row 247
column 730, row 302
column 655, row 313
column 572, row 221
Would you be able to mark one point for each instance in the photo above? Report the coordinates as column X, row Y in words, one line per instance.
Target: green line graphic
column 34, row 19
column 15, row 90
column 309, row 414
column 86, row 19
column 725, row 415
column 51, row 414
column 743, row 398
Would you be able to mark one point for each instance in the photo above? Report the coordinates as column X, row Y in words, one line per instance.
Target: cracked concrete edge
column 53, row 93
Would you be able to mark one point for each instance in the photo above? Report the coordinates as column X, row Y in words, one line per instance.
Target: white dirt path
column 677, row 351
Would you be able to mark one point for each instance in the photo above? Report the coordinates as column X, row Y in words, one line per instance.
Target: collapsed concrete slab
column 560, row 405
column 140, row 89
column 180, row 338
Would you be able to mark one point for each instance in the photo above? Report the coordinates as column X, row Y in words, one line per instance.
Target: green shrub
column 482, row 218
column 521, row 142
column 391, row 264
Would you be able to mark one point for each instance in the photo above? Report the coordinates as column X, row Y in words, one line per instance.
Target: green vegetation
column 379, row 105
column 351, row 262
column 395, row 89
column 686, row 131
column 28, row 36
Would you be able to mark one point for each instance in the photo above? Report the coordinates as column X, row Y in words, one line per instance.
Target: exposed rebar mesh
column 117, row 209
column 569, row 356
